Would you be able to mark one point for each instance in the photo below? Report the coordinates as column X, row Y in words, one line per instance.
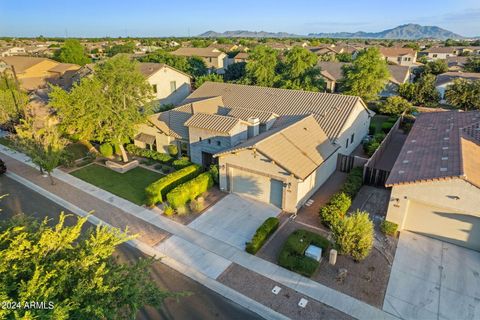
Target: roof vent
column 401, row 172
column 413, row 141
column 444, row 148
column 405, row 161
column 443, row 169
column 409, row 151
column 444, row 158
column 446, row 138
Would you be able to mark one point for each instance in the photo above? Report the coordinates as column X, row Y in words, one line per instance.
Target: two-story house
column 213, row 58
column 400, row 56
column 275, row 145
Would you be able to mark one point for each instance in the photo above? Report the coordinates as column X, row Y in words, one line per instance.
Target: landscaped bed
column 130, row 185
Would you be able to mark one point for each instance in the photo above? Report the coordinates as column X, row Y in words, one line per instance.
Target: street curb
column 193, row 274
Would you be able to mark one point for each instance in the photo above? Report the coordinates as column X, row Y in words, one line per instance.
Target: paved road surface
column 202, row 304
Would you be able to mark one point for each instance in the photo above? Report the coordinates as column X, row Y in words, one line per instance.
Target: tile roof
column 213, row 122
column 22, row 63
column 441, row 50
column 441, row 145
column 330, row 110
column 64, row 67
column 332, row 70
column 395, row 51
column 200, row 52
column 242, row 55
column 447, row 77
column 245, row 114
column 300, row 147
column 150, row 68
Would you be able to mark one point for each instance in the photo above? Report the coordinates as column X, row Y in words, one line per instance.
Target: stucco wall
column 162, row 79
column 438, row 193
column 357, row 124
column 162, row 141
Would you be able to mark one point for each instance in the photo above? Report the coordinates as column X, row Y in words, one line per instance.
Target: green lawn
column 130, row 185
column 77, row 149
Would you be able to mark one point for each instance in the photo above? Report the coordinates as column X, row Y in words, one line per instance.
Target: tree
column 395, row 105
column 235, row 72
column 128, row 47
column 464, row 94
column 161, row 56
column 260, row 69
column 77, row 273
column 344, row 57
column 367, row 75
column 197, row 67
column 107, row 106
column 299, row 71
column 72, row 51
column 425, row 91
column 473, row 64
column 13, row 101
column 354, row 235
column 298, row 60
column 213, row 77
column 435, row 67
column 44, row 146
column 407, row 91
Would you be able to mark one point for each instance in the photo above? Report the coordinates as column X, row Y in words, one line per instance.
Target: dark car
column 3, row 167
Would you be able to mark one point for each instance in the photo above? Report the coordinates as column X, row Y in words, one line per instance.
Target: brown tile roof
column 447, row 77
column 200, row 52
column 441, row 50
column 64, row 67
column 242, row 55
column 213, row 122
column 395, row 52
column 245, row 114
column 22, row 63
column 150, row 68
column 399, row 74
column 300, row 147
column 437, row 148
column 330, row 110
column 332, row 70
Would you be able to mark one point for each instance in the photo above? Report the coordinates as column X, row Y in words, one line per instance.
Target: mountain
column 406, row 31
column 247, row 34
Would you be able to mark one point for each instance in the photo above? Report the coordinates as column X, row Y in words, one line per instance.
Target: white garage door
column 256, row 186
column 445, row 224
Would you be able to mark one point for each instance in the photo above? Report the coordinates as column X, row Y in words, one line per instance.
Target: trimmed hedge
column 354, row 182
column 106, row 150
column 189, row 190
column 181, row 163
column 389, row 228
column 335, row 209
column 158, row 190
column 263, row 232
column 150, row 154
column 172, row 150
column 292, row 256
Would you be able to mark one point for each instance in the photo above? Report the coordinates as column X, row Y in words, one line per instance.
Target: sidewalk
column 122, row 213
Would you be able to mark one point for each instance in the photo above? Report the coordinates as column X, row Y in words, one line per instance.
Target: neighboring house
column 241, row 57
column 225, row 47
column 469, row 50
column 332, row 72
column 14, row 51
column 169, row 85
column 213, row 58
column 436, row 53
column 399, row 56
column 275, row 145
column 445, row 79
column 456, row 63
column 34, row 73
column 436, row 179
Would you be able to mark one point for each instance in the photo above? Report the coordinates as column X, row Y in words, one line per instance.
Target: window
column 173, row 86
column 346, row 144
column 199, row 138
column 434, row 55
column 154, row 87
column 352, row 137
column 219, row 143
column 209, row 59
column 209, row 141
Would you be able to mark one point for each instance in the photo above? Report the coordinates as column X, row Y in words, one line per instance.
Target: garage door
column 445, row 224
column 256, row 186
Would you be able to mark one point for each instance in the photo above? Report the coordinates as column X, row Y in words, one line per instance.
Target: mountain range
column 406, row 31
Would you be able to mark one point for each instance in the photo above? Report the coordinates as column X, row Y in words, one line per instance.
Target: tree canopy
column 366, row 76
column 72, row 51
column 260, row 69
column 127, row 47
column 195, row 66
column 77, row 273
column 107, row 106
column 13, row 100
column 473, row 64
column 464, row 94
column 395, row 105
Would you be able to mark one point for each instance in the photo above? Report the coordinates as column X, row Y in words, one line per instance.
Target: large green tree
column 13, row 100
column 127, row 47
column 78, row 274
column 425, row 91
column 107, row 106
column 72, row 51
column 464, row 94
column 435, row 67
column 299, row 71
column 261, row 68
column 366, row 76
column 395, row 105
column 473, row 64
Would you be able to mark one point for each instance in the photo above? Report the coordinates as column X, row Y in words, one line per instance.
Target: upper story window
column 154, row 87
column 346, row 144
column 173, row 86
column 199, row 138
column 209, row 141
column 352, row 137
column 219, row 143
column 434, row 55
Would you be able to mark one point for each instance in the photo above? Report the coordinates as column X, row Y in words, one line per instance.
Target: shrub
column 292, row 254
column 196, row 206
column 354, row 235
column 354, row 182
column 149, row 154
column 157, row 190
column 181, row 163
column 168, row 211
column 386, row 126
column 372, row 128
column 371, row 146
column 158, row 166
column 215, row 173
column 263, row 232
column 189, row 190
column 335, row 209
column 172, row 150
column 117, row 150
column 389, row 228
column 395, row 105
column 106, row 150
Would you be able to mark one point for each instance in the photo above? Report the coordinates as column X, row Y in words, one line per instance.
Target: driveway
column 234, row 219
column 432, row 279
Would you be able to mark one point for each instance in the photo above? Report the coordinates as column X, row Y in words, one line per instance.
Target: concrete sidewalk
column 191, row 237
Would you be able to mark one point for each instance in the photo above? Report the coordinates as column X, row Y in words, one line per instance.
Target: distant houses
column 214, row 59
column 399, row 56
column 445, row 79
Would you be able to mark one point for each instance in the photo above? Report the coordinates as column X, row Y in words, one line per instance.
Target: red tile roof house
column 436, row 179
column 274, row 145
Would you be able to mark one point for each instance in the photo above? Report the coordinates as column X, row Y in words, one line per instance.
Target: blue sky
column 87, row 18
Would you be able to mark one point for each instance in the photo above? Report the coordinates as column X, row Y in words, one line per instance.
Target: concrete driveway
column 432, row 279
column 234, row 219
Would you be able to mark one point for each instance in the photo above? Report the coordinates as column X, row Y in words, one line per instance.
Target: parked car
column 3, row 167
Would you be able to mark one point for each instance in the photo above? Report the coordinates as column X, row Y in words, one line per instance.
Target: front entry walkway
column 234, row 219
column 432, row 279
